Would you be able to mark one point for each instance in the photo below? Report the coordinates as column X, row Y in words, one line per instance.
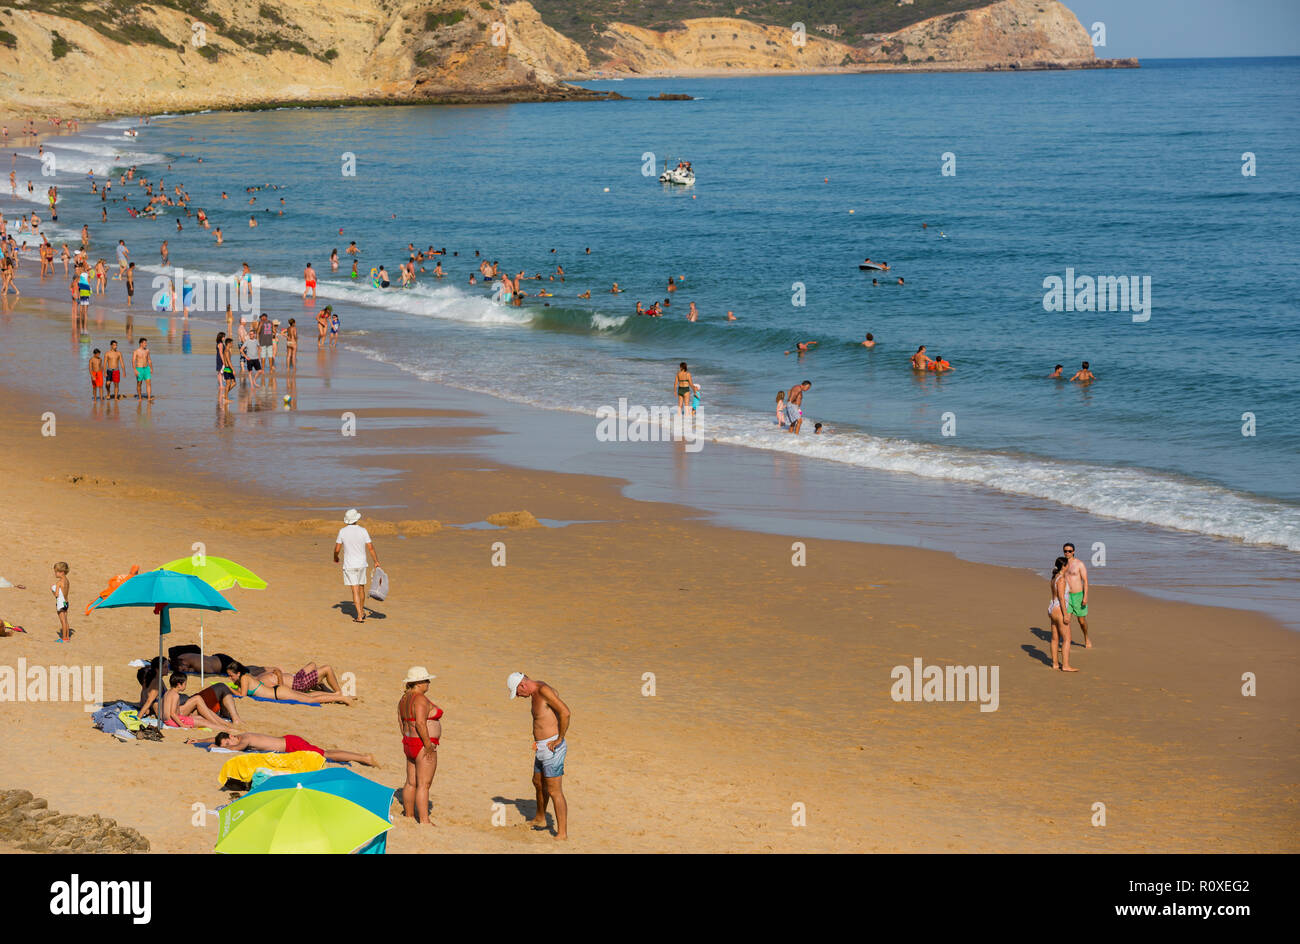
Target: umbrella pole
column 201, row 654
column 161, row 690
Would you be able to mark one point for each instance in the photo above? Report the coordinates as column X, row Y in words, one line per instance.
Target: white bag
column 379, row 584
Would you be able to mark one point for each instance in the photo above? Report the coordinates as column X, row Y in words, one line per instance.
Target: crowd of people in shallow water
column 251, row 350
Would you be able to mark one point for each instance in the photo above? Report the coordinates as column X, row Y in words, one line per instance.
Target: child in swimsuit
column 62, row 590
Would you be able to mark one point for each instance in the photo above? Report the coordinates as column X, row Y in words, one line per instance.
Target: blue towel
column 208, row 748
column 106, row 718
column 284, row 701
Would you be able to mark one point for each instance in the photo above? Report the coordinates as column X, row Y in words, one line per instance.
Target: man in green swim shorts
column 142, row 361
column 1076, row 579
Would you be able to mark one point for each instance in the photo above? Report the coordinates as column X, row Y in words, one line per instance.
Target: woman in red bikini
column 421, row 728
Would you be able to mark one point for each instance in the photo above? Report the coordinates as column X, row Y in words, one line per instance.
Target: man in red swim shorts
column 290, row 743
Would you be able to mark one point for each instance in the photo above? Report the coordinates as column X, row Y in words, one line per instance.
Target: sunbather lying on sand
column 289, row 743
column 270, row 684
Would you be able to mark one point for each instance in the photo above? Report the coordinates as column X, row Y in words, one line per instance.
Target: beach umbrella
column 297, row 821
column 162, row 590
column 218, row 573
column 341, row 782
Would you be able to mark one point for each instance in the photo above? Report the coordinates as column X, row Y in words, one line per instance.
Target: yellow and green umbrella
column 219, row 574
column 298, row 821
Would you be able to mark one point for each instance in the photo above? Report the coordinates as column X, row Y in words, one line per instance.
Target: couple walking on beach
column 1069, row 597
column 420, row 722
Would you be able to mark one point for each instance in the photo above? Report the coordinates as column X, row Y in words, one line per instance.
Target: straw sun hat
column 417, row 673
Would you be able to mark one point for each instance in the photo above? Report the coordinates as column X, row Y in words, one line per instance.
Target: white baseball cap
column 512, row 682
column 351, row 516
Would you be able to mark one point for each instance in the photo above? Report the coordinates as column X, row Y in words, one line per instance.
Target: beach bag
column 379, row 584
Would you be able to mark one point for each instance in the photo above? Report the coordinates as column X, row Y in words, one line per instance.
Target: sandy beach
column 772, row 682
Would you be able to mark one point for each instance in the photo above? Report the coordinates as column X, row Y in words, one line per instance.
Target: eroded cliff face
column 101, row 57
column 1007, row 34
column 720, row 44
column 1009, row 31
column 246, row 52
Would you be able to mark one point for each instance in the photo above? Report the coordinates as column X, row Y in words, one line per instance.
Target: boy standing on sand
column 551, row 719
column 96, row 375
column 62, row 590
column 113, row 370
column 142, row 361
column 354, row 542
column 1076, row 579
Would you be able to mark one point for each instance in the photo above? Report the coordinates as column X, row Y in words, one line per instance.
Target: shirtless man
column 142, row 361
column 174, row 708
column 113, row 370
column 269, row 744
column 870, row 341
column 802, row 347
column 1083, row 374
column 550, row 723
column 1076, row 580
column 794, row 405
column 1056, row 373
column 309, row 277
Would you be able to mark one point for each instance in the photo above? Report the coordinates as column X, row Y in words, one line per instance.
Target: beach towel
column 241, row 767
column 212, row 748
column 107, row 720
column 284, row 701
column 379, row 584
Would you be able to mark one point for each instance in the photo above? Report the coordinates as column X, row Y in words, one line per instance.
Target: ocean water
column 1106, row 173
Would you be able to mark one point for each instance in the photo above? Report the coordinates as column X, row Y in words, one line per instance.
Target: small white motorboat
column 681, row 175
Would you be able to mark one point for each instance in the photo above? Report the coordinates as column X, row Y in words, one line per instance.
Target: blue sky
column 1175, row 29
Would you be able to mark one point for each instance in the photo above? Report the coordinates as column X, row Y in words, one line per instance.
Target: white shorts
column 354, row 576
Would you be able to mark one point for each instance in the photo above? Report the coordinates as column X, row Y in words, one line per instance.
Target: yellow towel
column 241, row 766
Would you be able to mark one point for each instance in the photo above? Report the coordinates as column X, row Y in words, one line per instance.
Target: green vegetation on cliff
column 848, row 19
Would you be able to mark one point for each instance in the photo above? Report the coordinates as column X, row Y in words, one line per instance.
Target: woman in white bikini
column 1060, row 616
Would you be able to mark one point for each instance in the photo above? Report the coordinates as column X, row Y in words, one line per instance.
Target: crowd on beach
column 167, row 700
column 252, row 349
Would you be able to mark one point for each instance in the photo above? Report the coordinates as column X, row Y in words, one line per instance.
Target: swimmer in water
column 920, row 361
column 693, row 314
column 900, row 280
column 586, row 294
column 615, row 290
column 870, row 341
column 1056, row 373
column 802, row 347
column 731, row 317
column 1084, row 375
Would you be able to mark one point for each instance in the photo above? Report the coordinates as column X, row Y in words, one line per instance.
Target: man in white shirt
column 354, row 542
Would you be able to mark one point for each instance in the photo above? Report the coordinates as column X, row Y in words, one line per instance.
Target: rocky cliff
column 107, row 57
column 1007, row 34
column 96, row 57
